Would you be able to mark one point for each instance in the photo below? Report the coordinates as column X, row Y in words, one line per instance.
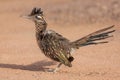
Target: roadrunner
column 59, row 48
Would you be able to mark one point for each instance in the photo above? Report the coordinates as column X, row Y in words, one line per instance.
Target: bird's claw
column 52, row 70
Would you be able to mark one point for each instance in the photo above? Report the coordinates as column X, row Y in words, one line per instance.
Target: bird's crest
column 36, row 11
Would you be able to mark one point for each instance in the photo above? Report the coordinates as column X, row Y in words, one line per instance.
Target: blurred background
column 65, row 12
column 19, row 52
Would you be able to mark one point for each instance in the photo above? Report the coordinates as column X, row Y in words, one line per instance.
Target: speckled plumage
column 55, row 46
column 59, row 48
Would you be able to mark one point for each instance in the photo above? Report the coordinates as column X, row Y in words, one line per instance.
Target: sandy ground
column 21, row 59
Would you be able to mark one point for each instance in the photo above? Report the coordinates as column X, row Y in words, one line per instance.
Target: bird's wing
column 95, row 36
column 59, row 46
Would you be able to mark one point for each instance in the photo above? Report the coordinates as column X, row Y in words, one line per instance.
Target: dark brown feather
column 95, row 36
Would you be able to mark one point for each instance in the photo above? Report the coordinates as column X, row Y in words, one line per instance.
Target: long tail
column 94, row 38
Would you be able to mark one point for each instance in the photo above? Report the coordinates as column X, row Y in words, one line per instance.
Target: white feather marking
column 39, row 17
column 72, row 50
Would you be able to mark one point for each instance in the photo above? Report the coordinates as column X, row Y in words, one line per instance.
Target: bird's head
column 36, row 15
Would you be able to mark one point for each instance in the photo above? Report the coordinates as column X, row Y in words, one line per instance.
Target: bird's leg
column 56, row 69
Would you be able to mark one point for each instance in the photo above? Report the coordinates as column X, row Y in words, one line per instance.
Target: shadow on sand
column 37, row 66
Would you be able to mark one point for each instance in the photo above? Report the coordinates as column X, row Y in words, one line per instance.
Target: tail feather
column 94, row 37
column 101, row 36
column 94, row 43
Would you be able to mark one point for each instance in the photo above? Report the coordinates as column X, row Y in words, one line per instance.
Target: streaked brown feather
column 95, row 36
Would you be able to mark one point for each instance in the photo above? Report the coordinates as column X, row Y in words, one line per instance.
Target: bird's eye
column 38, row 17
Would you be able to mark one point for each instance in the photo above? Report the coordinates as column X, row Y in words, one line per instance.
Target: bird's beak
column 25, row 16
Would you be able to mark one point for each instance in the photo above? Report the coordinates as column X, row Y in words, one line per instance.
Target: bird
column 58, row 48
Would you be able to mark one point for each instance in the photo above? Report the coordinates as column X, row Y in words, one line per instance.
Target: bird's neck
column 40, row 29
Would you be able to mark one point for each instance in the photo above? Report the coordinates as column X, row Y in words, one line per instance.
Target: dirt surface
column 21, row 59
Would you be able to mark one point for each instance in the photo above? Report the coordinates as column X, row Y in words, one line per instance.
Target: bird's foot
column 56, row 69
column 53, row 70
